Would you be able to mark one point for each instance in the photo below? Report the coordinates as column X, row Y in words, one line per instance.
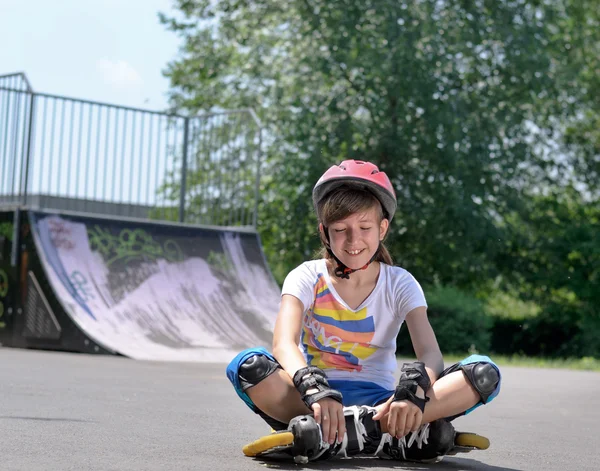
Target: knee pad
column 484, row 377
column 255, row 369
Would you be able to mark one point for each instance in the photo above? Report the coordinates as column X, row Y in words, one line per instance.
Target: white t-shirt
column 353, row 344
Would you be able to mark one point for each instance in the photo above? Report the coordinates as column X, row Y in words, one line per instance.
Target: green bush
column 503, row 324
column 508, row 306
column 459, row 321
column 558, row 330
column 588, row 339
column 512, row 335
column 513, row 324
column 563, row 332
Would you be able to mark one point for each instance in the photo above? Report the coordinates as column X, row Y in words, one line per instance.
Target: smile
column 354, row 252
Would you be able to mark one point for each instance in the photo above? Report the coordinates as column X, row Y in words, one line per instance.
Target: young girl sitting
column 330, row 376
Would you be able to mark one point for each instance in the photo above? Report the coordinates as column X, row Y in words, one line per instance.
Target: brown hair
column 342, row 202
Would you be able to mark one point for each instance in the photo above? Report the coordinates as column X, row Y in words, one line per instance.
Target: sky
column 111, row 51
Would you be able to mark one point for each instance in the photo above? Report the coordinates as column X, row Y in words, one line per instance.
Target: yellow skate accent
column 269, row 443
column 472, row 440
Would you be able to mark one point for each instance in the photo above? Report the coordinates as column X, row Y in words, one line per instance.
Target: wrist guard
column 312, row 377
column 413, row 375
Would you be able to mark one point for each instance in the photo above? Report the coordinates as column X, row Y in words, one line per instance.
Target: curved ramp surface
column 159, row 292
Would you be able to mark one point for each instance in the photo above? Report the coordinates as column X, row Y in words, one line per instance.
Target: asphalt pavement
column 61, row 411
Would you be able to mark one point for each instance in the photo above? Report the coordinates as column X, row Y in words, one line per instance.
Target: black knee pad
column 255, row 369
column 483, row 377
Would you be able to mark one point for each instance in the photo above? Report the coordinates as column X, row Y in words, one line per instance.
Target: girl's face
column 355, row 240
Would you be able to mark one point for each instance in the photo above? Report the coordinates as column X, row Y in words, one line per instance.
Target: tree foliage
column 440, row 94
column 580, row 78
column 553, row 259
column 483, row 113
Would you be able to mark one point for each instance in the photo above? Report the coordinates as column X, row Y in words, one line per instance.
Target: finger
column 383, row 409
column 333, row 425
column 392, row 422
column 325, row 420
column 341, row 425
column 418, row 420
column 401, row 424
column 316, row 407
column 410, row 420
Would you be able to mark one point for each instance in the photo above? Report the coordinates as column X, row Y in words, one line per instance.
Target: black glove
column 413, row 375
column 312, row 377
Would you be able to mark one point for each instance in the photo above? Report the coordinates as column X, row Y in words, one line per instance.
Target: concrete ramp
column 156, row 291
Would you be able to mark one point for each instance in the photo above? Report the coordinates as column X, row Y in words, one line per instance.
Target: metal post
column 16, row 242
column 186, row 127
column 257, row 185
column 29, row 148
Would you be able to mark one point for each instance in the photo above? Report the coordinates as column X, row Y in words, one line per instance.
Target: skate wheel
column 472, row 440
column 269, row 443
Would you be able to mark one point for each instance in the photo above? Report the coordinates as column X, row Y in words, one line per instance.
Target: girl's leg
column 277, row 397
column 460, row 388
column 449, row 396
column 265, row 387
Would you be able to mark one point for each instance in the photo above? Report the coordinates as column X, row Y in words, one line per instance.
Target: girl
column 331, row 371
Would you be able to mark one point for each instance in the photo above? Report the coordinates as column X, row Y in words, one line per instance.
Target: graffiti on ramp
column 159, row 292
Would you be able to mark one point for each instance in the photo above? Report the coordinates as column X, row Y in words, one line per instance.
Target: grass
column 586, row 363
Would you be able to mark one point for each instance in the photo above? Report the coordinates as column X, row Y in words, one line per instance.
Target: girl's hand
column 329, row 413
column 402, row 417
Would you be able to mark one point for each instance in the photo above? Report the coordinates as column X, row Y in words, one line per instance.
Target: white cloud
column 118, row 73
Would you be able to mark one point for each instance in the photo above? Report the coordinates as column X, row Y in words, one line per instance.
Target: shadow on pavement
column 449, row 463
column 43, row 419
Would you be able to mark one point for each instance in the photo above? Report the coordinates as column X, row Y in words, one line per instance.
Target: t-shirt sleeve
column 300, row 284
column 409, row 294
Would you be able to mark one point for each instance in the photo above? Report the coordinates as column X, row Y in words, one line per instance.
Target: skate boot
column 363, row 436
column 303, row 438
column 431, row 443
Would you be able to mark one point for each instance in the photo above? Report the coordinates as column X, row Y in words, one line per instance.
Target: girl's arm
column 287, row 334
column 424, row 342
column 399, row 416
column 287, row 353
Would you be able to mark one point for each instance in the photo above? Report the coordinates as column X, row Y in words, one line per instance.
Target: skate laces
column 420, row 438
column 361, row 430
column 352, row 417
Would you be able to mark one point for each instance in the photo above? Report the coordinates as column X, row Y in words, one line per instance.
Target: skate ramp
column 157, row 291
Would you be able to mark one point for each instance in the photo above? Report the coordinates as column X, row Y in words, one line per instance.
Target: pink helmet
column 362, row 175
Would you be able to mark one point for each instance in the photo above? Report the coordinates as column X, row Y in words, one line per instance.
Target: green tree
column 443, row 95
column 580, row 80
column 553, row 259
column 221, row 169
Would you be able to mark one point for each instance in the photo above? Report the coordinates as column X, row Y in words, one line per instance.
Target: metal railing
column 16, row 81
column 70, row 154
